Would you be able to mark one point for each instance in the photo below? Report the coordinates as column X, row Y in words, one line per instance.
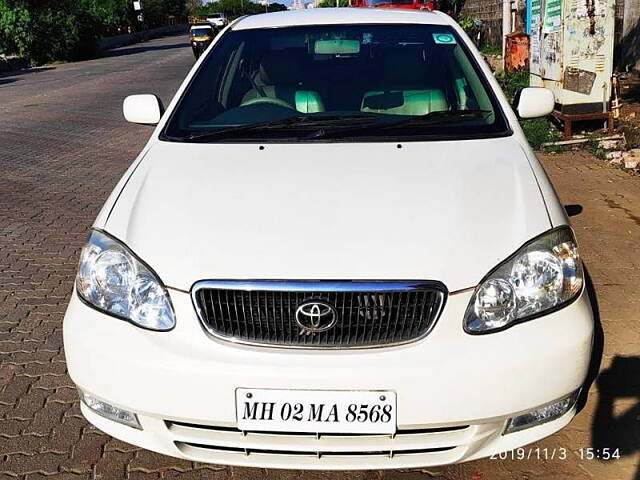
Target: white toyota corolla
column 336, row 251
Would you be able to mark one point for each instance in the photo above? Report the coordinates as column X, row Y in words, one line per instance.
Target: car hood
column 447, row 211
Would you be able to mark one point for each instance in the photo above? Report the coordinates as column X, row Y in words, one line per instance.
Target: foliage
column 49, row 30
column 116, row 16
column 160, row 12
column 511, row 83
column 488, row 49
column 539, row 131
column 192, row 7
column 467, row 24
column 451, row 7
column 631, row 131
column 15, row 31
column 236, row 8
column 332, row 3
column 594, row 145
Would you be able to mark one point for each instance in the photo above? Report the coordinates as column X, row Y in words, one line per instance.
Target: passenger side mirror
column 146, row 109
column 533, row 102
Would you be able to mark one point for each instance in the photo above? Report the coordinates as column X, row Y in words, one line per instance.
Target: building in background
column 572, row 54
column 627, row 24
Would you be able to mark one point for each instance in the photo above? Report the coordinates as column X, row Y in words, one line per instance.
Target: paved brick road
column 64, row 144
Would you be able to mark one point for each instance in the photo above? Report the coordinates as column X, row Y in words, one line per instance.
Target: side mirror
column 146, row 109
column 532, row 102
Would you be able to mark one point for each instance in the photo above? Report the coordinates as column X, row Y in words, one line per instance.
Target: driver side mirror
column 533, row 102
column 145, row 109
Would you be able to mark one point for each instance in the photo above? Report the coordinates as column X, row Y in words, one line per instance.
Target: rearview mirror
column 534, row 102
column 146, row 109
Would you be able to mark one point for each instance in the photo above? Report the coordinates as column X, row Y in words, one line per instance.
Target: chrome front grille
column 366, row 314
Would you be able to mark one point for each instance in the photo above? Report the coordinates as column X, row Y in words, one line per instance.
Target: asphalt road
column 63, row 146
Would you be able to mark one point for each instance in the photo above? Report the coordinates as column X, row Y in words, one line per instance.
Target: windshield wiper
column 433, row 118
column 305, row 121
column 338, row 125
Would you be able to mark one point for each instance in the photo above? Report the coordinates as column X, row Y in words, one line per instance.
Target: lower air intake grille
column 319, row 314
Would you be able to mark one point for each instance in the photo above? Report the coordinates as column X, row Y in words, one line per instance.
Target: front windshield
column 338, row 82
column 201, row 32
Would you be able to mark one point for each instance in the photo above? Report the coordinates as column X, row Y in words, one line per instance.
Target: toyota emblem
column 315, row 316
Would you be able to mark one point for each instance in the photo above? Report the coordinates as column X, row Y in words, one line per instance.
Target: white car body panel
column 446, row 380
column 337, row 16
column 448, row 211
column 329, row 211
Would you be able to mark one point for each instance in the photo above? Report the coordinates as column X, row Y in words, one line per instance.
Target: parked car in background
column 201, row 37
column 218, row 20
column 336, row 251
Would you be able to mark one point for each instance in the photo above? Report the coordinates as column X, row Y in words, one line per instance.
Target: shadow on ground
column 141, row 49
column 9, row 77
column 621, row 381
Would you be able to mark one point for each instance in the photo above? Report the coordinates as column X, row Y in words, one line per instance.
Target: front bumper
column 455, row 391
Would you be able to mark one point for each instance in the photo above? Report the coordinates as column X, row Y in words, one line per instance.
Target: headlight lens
column 544, row 274
column 113, row 280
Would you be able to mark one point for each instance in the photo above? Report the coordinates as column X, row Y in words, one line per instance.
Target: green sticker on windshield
column 444, row 39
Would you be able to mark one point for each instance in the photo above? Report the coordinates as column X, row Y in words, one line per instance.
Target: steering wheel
column 269, row 100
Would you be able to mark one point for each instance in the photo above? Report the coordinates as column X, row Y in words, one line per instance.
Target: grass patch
column 511, row 83
column 539, row 131
column 491, row 50
column 631, row 131
column 593, row 144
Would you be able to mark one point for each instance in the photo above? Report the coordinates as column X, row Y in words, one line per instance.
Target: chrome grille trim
column 412, row 306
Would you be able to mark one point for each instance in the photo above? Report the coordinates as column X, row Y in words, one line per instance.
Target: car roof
column 337, row 16
column 201, row 25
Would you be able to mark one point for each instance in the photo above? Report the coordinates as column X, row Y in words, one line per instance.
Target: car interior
column 314, row 73
column 390, row 81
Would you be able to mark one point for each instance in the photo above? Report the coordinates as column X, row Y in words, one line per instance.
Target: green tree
column 236, row 8
column 277, row 7
column 116, row 15
column 15, row 27
column 48, row 30
column 332, row 3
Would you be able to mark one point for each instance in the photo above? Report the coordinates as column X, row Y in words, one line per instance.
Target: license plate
column 316, row 411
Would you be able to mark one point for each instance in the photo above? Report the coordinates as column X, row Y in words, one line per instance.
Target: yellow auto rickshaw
column 200, row 36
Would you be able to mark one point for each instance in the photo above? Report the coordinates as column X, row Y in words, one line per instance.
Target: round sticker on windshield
column 444, row 39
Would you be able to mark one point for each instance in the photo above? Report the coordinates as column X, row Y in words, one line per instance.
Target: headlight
column 543, row 275
column 111, row 279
